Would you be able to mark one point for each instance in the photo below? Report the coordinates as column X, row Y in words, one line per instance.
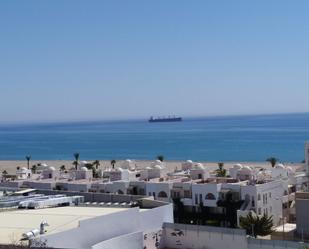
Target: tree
column 4, row 173
column 160, row 157
column 34, row 168
column 221, row 171
column 272, row 161
column 28, row 158
column 62, row 168
column 256, row 225
column 76, row 157
column 96, row 163
column 113, row 162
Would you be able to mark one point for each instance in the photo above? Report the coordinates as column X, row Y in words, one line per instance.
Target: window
column 270, row 209
column 259, row 211
column 210, row 196
column 201, row 198
column 162, row 194
column 269, row 194
column 252, row 202
column 187, row 194
column 196, row 199
column 259, row 197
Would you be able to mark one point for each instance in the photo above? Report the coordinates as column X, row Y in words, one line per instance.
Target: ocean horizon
column 217, row 138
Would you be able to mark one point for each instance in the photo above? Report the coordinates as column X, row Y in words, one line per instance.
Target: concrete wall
column 181, row 236
column 94, row 197
column 128, row 241
column 96, row 230
column 302, row 216
column 152, row 219
column 115, row 229
column 273, row 244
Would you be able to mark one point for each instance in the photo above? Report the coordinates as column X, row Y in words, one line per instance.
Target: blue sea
column 234, row 138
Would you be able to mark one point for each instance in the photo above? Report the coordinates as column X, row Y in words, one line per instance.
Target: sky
column 95, row 60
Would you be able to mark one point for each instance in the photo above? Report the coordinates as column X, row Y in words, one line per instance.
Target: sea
column 230, row 138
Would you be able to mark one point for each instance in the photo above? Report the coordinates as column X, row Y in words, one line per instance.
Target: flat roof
column 14, row 223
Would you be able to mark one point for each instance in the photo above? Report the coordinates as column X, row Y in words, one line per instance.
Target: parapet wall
column 94, row 197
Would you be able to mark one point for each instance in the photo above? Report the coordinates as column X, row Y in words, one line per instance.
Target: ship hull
column 165, row 120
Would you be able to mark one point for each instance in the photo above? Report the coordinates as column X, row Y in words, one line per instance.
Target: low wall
column 181, row 236
column 94, row 197
column 274, row 244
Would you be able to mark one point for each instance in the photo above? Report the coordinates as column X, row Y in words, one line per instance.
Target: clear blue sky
column 79, row 60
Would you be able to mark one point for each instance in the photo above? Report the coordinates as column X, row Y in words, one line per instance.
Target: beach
column 11, row 165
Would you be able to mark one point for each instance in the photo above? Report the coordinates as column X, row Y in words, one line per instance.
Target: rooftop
column 14, row 223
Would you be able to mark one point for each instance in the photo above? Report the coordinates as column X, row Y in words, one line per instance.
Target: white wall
column 204, row 189
column 96, row 230
column 152, row 219
column 127, row 241
column 157, row 187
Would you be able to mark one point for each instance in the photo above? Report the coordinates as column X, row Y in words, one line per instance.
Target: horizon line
column 189, row 117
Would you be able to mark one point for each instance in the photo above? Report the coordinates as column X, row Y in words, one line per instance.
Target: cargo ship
column 165, row 119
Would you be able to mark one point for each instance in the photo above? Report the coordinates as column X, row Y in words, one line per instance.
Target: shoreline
column 11, row 165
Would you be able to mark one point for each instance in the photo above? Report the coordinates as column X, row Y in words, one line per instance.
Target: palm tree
column 221, row 172
column 34, row 168
column 4, row 172
column 62, row 168
column 28, row 158
column 76, row 156
column 96, row 163
column 272, row 161
column 160, row 157
column 113, row 162
column 256, row 225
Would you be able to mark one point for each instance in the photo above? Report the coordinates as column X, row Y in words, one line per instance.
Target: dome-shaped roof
column 238, row 166
column 189, row 161
column 84, row 162
column 199, row 166
column 44, row 165
column 157, row 167
column 279, row 166
column 128, row 161
column 23, row 169
column 148, row 167
column 84, row 169
column 289, row 168
column 247, row 168
column 51, row 168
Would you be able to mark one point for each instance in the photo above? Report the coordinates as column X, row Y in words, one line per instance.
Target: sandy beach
column 10, row 166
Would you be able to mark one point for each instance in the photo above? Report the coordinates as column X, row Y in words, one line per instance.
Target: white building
column 268, row 198
column 82, row 173
column 198, row 171
column 23, row 173
column 50, row 173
